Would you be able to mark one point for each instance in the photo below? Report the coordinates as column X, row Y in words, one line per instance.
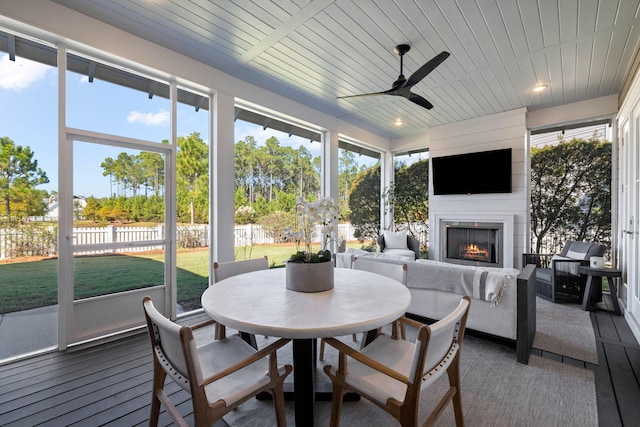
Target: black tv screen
column 472, row 173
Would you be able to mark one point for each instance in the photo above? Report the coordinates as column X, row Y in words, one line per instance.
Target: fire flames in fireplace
column 475, row 252
column 473, row 244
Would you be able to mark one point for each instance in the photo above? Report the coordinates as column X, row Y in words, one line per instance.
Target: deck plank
column 608, row 414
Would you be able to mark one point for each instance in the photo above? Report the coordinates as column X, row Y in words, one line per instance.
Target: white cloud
column 161, row 118
column 21, row 73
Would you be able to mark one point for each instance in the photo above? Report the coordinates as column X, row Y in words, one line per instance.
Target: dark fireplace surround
column 472, row 243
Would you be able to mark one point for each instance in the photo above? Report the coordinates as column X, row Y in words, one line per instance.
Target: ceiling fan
column 402, row 86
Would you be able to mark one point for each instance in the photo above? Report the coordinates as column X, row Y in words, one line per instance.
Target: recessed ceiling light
column 540, row 88
column 398, row 122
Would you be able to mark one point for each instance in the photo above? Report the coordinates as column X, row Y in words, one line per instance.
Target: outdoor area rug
column 565, row 329
column 496, row 391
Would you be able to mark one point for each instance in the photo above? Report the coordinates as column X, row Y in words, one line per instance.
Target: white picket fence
column 252, row 234
column 191, row 235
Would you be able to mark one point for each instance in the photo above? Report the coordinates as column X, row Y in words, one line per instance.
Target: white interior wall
column 497, row 131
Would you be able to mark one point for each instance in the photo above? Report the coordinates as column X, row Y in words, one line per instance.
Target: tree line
column 570, row 187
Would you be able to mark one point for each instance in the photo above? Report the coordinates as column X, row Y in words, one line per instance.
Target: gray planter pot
column 309, row 277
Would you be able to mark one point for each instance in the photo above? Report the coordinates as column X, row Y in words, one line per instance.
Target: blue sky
column 28, row 116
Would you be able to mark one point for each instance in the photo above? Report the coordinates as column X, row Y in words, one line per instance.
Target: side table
column 594, row 282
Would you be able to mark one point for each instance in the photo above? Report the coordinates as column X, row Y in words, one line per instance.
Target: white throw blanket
column 477, row 282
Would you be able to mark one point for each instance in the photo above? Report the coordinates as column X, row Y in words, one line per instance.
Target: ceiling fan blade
column 417, row 99
column 384, row 92
column 422, row 72
column 362, row 94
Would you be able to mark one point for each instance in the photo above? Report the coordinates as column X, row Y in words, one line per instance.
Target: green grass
column 33, row 284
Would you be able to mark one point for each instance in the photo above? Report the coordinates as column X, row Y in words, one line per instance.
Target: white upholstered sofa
column 503, row 300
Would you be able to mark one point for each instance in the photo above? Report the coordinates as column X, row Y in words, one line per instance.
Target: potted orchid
column 310, row 271
column 321, row 213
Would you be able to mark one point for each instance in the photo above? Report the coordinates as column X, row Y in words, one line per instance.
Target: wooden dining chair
column 224, row 270
column 219, row 375
column 391, row 373
column 394, row 271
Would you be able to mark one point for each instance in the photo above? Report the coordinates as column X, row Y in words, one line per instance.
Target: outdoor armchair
column 393, row 372
column 396, row 244
column 557, row 276
column 219, row 375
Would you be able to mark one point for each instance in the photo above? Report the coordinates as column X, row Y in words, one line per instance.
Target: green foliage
column 245, row 215
column 261, row 206
column 104, row 213
column 364, row 202
column 265, row 172
column 284, row 201
column 275, row 223
column 91, row 209
column 268, row 179
column 311, row 257
column 192, row 170
column 409, row 196
column 19, row 175
column 411, row 193
column 239, row 198
column 347, row 172
column 31, row 240
column 28, row 201
column 132, row 173
column 571, row 190
column 118, row 213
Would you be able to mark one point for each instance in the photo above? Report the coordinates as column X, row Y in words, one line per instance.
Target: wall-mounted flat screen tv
column 472, row 173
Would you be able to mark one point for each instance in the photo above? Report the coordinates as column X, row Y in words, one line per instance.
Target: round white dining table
column 259, row 302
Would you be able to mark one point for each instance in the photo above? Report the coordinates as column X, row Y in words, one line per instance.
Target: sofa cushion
column 543, row 275
column 395, row 239
column 403, row 253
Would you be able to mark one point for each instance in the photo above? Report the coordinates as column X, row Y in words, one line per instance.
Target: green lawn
column 33, row 284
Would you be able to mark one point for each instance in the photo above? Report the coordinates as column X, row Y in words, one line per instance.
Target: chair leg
column 454, row 380
column 398, row 330
column 278, row 404
column 159, row 376
column 336, row 405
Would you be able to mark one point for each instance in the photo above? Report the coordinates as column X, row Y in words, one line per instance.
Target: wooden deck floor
column 109, row 384
column 618, row 374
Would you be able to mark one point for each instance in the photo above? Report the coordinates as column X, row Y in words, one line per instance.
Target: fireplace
column 473, row 243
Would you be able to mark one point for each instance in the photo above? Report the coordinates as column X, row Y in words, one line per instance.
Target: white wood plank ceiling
column 314, row 51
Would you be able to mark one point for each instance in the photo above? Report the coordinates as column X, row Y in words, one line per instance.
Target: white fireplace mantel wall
column 503, row 130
